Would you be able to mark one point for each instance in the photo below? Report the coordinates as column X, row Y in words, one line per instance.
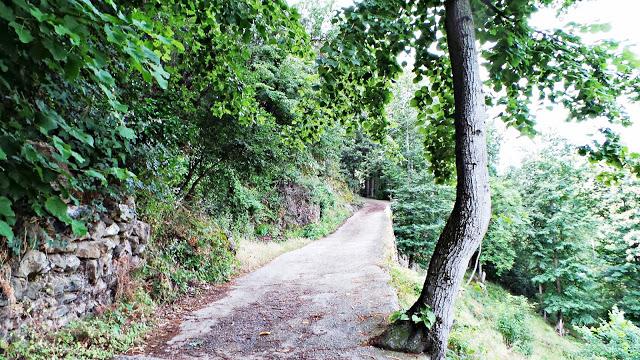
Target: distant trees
column 563, row 235
column 557, row 234
column 420, row 208
column 523, row 65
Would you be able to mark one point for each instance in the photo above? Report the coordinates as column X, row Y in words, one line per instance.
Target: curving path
column 322, row 301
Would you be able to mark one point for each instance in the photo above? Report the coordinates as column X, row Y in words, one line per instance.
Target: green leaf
column 3, row 155
column 56, row 207
column 23, row 33
column 120, row 173
column 46, row 122
column 36, row 13
column 5, row 207
column 126, row 133
column 6, row 13
column 97, row 175
column 5, row 230
column 104, row 77
column 160, row 75
column 398, row 315
column 72, row 68
column 78, row 228
column 59, row 53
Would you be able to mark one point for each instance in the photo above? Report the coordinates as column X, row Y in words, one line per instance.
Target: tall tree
column 561, row 246
column 357, row 66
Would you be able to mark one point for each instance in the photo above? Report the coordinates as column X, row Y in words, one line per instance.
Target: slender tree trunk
column 469, row 219
column 193, row 166
column 541, row 293
column 560, row 322
column 476, row 266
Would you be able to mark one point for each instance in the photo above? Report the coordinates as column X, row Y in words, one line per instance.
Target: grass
column 476, row 333
column 254, row 253
column 187, row 247
column 98, row 337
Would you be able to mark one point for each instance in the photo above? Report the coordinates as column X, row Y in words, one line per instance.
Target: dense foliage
column 617, row 338
column 65, row 128
column 161, row 98
column 557, row 235
column 523, row 63
column 206, row 110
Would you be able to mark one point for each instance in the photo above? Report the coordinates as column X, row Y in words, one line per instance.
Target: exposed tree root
column 402, row 336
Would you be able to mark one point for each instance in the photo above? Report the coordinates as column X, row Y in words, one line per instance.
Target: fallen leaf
column 265, row 333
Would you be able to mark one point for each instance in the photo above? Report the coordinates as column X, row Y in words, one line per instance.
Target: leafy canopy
column 523, row 64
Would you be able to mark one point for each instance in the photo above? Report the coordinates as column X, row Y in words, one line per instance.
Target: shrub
column 617, row 339
column 513, row 324
column 459, row 347
column 186, row 248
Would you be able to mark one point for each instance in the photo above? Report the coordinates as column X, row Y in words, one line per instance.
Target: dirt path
column 323, row 301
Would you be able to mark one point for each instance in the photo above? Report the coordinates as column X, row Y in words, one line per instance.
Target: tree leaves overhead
column 524, row 64
column 86, row 79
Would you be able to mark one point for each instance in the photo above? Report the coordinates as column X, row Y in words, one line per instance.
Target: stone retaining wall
column 63, row 280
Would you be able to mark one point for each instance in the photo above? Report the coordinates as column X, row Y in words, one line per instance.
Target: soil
column 322, row 301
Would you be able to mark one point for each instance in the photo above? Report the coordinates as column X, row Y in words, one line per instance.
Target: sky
column 622, row 16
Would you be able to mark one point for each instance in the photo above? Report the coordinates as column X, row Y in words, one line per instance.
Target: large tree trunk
column 469, row 219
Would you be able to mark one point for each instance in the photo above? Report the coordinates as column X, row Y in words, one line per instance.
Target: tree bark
column 469, row 219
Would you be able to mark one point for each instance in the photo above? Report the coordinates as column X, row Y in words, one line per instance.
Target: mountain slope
column 483, row 315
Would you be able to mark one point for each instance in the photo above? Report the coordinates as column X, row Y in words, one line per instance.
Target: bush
column 459, row 347
column 618, row 339
column 186, row 248
column 513, row 324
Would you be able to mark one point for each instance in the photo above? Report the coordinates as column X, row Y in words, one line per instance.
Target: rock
column 106, row 219
column 100, row 287
column 135, row 262
column 139, row 249
column 105, row 264
column 110, row 243
column 67, row 319
column 59, row 246
column 233, row 247
column 58, row 285
column 93, row 271
column 112, row 230
column 125, row 229
column 64, row 262
column 19, row 286
column 124, row 249
column 89, row 249
column 402, row 336
column 76, row 212
column 97, row 232
column 67, row 298
column 142, row 230
column 60, row 311
column 80, row 308
column 74, row 283
column 126, row 213
column 5, row 271
column 33, row 289
column 33, row 262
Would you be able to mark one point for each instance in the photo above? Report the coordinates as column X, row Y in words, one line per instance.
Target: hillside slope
column 483, row 314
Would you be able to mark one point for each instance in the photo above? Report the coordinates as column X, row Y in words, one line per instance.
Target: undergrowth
column 99, row 337
column 491, row 324
column 187, row 248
